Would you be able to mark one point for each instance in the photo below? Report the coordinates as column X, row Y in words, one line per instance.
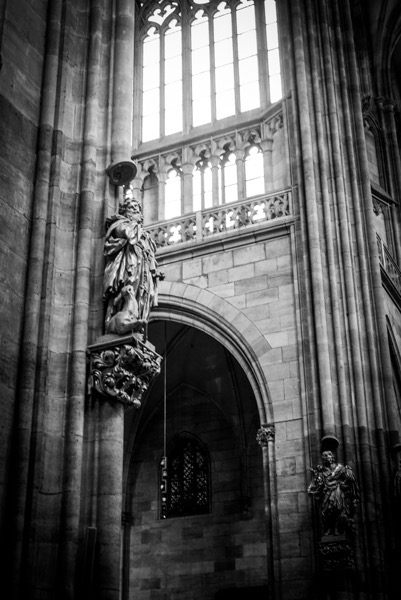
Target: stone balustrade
column 227, row 218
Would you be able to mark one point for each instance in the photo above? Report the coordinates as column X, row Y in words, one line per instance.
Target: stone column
column 240, row 162
column 267, row 148
column 162, row 177
column 121, row 370
column 122, row 169
column 215, row 160
column 265, row 437
column 187, row 169
column 110, row 501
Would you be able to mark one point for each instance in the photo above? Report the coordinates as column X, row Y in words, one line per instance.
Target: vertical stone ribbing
column 312, row 219
column 23, row 460
column 77, row 384
column 329, row 229
column 372, row 284
column 355, row 323
column 347, row 266
column 376, row 329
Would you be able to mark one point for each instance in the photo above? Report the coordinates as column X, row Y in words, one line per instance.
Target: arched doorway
column 209, row 399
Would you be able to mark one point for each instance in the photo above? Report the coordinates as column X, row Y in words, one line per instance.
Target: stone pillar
column 267, row 148
column 265, row 437
column 121, row 370
column 162, row 176
column 187, row 169
column 110, row 502
column 215, row 160
column 240, row 162
column 122, row 169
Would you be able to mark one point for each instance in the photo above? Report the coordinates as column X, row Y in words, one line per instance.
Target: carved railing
column 221, row 219
column 389, row 265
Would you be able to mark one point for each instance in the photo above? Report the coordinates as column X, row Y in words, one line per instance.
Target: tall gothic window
column 203, row 61
column 188, row 485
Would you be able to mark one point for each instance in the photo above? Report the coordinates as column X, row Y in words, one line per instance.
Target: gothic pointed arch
column 212, row 314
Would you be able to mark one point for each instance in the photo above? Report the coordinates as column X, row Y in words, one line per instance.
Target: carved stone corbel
column 123, row 368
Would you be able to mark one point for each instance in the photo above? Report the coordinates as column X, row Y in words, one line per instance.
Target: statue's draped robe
column 130, row 259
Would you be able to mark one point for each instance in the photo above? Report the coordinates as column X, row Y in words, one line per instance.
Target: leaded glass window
column 188, row 485
column 203, row 61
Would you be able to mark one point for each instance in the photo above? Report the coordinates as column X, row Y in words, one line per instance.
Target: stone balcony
column 226, row 219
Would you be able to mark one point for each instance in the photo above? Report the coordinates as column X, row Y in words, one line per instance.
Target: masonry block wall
column 196, row 556
column 258, row 279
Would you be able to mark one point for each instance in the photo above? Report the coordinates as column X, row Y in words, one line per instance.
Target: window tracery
column 188, row 481
column 204, row 61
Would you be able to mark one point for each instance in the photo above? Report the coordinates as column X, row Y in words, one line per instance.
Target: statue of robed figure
column 130, row 276
column 335, row 488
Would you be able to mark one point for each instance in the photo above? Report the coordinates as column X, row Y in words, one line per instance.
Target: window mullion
column 138, row 95
column 235, row 58
column 202, row 187
column 186, row 71
column 162, row 83
column 212, row 69
column 262, row 52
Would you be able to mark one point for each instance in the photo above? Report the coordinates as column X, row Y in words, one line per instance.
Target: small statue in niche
column 335, row 488
column 130, row 276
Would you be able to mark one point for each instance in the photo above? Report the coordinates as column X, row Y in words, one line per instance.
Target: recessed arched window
column 188, row 478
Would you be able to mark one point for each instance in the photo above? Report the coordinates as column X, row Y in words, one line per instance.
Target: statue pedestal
column 336, row 554
column 122, row 367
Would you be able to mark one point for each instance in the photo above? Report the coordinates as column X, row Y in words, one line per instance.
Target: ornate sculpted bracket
column 265, row 435
column 336, row 555
column 122, row 368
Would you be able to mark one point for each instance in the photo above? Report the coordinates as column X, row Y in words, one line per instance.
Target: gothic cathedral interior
column 201, row 345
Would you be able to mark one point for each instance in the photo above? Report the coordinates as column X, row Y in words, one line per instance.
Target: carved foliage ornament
column 124, row 372
column 265, row 435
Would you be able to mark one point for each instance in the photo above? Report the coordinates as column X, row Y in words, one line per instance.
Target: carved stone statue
column 335, row 488
column 130, row 276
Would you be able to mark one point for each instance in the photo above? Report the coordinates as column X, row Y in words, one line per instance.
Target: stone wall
column 193, row 557
column 252, row 283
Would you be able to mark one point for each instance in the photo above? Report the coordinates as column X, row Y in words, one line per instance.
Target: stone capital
column 265, row 435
